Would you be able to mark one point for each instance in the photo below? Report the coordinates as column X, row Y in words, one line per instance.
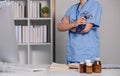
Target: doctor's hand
column 81, row 21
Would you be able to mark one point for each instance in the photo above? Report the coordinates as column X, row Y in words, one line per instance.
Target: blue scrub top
column 81, row 47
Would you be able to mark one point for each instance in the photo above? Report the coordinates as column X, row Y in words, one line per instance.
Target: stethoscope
column 78, row 10
column 80, row 28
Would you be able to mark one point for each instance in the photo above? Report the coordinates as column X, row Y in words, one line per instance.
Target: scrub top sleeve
column 65, row 15
column 96, row 16
column 69, row 11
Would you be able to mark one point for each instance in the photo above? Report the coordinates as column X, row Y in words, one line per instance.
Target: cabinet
column 34, row 33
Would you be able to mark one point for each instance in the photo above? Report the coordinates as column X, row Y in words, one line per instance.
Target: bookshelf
column 34, row 33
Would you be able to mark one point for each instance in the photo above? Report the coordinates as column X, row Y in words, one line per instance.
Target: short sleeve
column 66, row 14
column 95, row 15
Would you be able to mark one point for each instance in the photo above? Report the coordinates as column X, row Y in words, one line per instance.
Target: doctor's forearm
column 64, row 27
column 87, row 28
column 73, row 29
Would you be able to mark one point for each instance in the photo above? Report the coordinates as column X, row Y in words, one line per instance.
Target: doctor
column 82, row 21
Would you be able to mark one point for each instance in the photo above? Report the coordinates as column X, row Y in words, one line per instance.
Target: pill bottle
column 97, row 65
column 82, row 67
column 89, row 69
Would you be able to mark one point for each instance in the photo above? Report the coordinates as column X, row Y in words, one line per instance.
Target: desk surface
column 105, row 72
column 47, row 72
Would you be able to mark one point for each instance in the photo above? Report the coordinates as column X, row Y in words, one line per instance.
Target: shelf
column 32, row 44
column 23, row 44
column 40, row 18
column 33, row 18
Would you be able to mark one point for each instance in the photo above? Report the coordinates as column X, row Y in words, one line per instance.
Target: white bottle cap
column 87, row 61
column 89, row 64
column 98, row 59
column 81, row 62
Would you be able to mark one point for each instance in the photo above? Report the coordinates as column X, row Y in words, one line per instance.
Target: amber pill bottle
column 97, row 65
column 89, row 69
column 82, row 67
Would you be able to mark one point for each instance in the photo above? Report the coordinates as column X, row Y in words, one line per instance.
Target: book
column 73, row 66
column 58, row 66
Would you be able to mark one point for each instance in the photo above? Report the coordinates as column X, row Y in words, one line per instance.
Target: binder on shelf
column 35, row 9
column 45, row 33
column 19, row 9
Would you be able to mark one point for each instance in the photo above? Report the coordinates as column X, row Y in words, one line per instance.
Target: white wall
column 109, row 31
